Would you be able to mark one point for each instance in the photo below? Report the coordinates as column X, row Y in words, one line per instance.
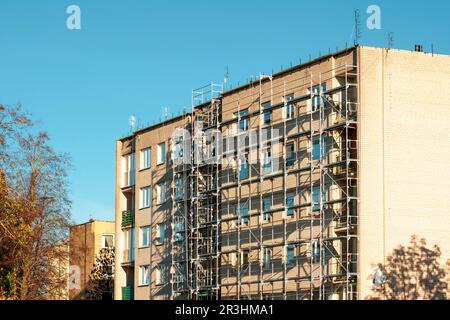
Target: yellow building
column 86, row 240
column 323, row 169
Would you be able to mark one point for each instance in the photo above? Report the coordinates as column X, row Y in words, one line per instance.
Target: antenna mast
column 357, row 27
column 226, row 76
column 132, row 122
column 390, row 40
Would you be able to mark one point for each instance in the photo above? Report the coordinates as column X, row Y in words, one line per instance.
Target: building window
column 128, row 253
column 244, row 123
column 267, row 258
column 161, row 193
column 267, row 160
column 128, row 166
column 316, row 148
column 267, row 112
column 159, row 275
column 179, row 148
column 146, row 159
column 316, row 199
column 244, row 258
column 179, row 231
column 146, row 196
column 267, row 203
column 161, row 153
column 144, row 275
column 145, row 233
column 243, row 213
column 315, row 252
column 179, row 189
column 290, row 255
column 161, row 233
column 233, row 260
column 290, row 107
column 319, row 150
column 107, row 241
column 267, row 117
column 317, row 91
column 244, row 168
column 290, row 154
column 290, row 204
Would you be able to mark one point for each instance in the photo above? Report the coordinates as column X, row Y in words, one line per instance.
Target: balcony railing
column 128, row 219
column 128, row 256
column 127, row 293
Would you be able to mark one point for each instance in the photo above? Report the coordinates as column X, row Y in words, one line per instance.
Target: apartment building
column 85, row 242
column 296, row 185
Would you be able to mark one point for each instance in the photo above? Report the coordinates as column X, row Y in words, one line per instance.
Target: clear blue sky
column 139, row 56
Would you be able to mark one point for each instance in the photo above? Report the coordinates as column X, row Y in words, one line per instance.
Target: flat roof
column 251, row 83
column 91, row 221
column 239, row 88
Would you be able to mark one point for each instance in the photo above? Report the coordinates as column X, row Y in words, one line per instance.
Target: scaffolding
column 180, row 224
column 247, row 228
column 195, row 218
column 312, row 248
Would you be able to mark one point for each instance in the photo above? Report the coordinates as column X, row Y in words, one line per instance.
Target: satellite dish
column 132, row 122
column 379, row 278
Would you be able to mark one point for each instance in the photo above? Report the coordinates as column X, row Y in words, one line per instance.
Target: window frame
column 148, row 238
column 160, row 275
column 290, row 203
column 179, row 234
column 161, row 196
column 290, row 259
column 145, row 154
column 267, row 114
column 290, row 107
column 179, row 194
column 315, row 199
column 267, row 258
column 315, row 141
column 290, row 154
column 244, row 215
column 267, row 167
column 244, row 168
column 266, row 211
column 161, row 234
column 244, row 258
column 128, row 170
column 142, row 192
column 315, row 252
column 244, row 124
column 144, row 275
column 161, row 156
column 317, row 90
column 104, row 236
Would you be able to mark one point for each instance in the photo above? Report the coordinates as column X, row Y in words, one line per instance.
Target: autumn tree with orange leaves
column 34, row 211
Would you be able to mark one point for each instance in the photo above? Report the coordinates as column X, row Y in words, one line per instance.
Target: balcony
column 128, row 219
column 128, row 257
column 127, row 293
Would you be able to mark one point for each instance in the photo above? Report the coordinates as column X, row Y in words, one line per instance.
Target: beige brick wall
column 405, row 154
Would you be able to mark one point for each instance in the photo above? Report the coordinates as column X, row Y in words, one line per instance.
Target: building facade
column 294, row 186
column 85, row 242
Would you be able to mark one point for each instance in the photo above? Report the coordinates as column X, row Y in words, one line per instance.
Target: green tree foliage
column 101, row 279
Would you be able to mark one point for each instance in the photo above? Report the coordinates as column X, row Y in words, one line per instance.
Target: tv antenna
column 390, row 40
column 226, row 75
column 165, row 113
column 132, row 122
column 357, row 27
